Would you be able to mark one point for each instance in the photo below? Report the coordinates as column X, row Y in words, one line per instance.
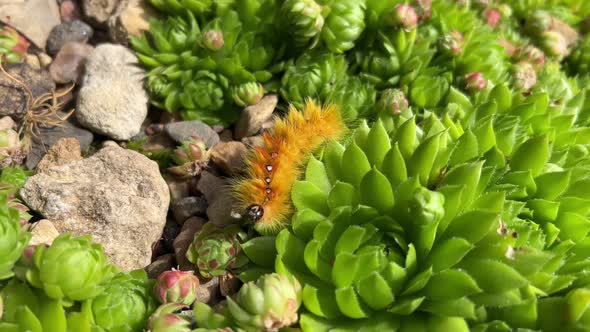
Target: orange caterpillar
column 264, row 194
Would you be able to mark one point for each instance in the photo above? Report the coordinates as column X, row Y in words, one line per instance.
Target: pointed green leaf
column 473, row 225
column 349, row 303
column 465, row 149
column 461, row 307
column 375, row 191
column 394, row 166
column 305, row 221
column 551, row 185
column 375, row 291
column 406, row 138
column 342, row 194
column 377, row 144
column 261, row 250
column 450, row 284
column 316, row 174
column 423, row 158
column 531, row 155
column 448, row 253
column 494, row 276
column 331, row 157
column 321, row 302
column 306, row 195
column 354, row 164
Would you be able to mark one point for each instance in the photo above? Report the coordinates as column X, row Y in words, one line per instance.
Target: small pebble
column 75, row 31
column 69, row 63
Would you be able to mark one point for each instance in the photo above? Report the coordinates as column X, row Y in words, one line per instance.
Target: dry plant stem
column 40, row 111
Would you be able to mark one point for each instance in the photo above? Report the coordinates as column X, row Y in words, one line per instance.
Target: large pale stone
column 118, row 196
column 34, row 18
column 112, row 100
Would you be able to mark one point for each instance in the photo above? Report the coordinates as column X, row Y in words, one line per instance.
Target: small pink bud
column 423, row 9
column 176, row 286
column 404, row 16
column 493, row 17
column 213, row 39
column 525, row 76
column 475, row 82
column 453, row 42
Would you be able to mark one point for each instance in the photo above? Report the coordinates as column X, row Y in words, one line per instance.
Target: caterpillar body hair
column 263, row 195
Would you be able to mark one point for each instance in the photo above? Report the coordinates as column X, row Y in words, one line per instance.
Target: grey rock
column 13, row 96
column 34, row 18
column 69, row 62
column 97, row 12
column 161, row 264
column 183, row 130
column 130, row 18
column 118, row 196
column 112, row 100
column 190, row 227
column 75, row 31
column 189, row 206
column 209, row 292
column 49, row 135
column 64, row 151
column 254, row 116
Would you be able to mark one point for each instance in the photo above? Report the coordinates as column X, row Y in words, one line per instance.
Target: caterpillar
column 264, row 193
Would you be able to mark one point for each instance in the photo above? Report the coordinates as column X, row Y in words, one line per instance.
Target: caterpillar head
column 254, row 212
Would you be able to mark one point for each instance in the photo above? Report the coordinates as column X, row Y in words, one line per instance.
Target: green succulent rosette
column 304, row 20
column 13, row 239
column 314, row 74
column 344, row 25
column 169, row 318
column 198, row 7
column 71, row 269
column 27, row 309
column 269, row 303
column 379, row 221
column 354, row 96
column 215, row 250
column 200, row 67
column 13, row 46
column 125, row 304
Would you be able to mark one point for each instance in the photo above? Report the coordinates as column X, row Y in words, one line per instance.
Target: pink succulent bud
column 554, row 44
column 213, row 39
column 453, row 42
column 176, row 286
column 508, row 46
column 531, row 54
column 475, row 82
column 525, row 76
column 492, row 17
column 404, row 16
column 423, row 9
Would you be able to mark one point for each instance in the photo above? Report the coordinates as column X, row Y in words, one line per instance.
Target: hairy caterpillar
column 264, row 194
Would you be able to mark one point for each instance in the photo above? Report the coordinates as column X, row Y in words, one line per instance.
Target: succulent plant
column 13, row 46
column 247, row 94
column 13, row 240
column 71, row 269
column 354, row 96
column 402, row 15
column 176, row 286
column 197, row 68
column 579, row 60
column 524, row 75
column 314, row 74
column 268, row 304
column 125, row 303
column 191, row 157
column 215, row 250
column 27, row 309
column 168, row 318
column 344, row 25
column 304, row 21
column 366, row 243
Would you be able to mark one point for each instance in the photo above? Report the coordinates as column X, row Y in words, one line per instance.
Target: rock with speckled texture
column 117, row 195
